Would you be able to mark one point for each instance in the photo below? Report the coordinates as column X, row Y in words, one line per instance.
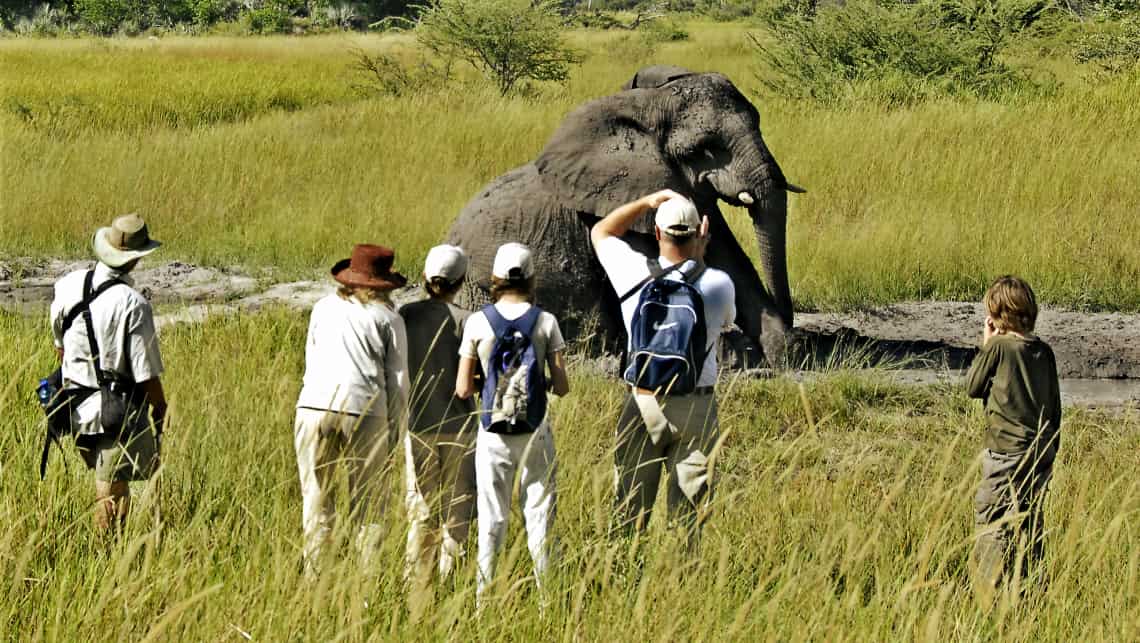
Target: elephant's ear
column 609, row 152
column 655, row 76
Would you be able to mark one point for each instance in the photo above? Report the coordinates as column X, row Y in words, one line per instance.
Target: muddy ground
column 1098, row 354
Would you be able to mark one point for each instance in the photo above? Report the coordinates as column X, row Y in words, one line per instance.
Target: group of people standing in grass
column 376, row 375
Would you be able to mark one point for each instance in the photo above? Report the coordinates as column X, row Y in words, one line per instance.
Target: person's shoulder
column 71, row 280
column 714, row 280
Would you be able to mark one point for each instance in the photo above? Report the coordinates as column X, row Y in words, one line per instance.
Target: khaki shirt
column 124, row 330
column 434, row 332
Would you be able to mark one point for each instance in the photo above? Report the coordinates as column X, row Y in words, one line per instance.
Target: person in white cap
column 440, row 443
column 656, row 431
column 522, row 452
column 353, row 402
column 105, row 337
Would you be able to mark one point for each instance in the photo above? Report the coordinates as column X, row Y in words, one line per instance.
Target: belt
column 700, row 390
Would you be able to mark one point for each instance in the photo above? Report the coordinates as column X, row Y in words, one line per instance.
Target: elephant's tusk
column 745, row 198
column 792, row 187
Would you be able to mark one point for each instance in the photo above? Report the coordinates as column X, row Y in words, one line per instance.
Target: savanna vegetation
column 844, row 506
column 843, row 513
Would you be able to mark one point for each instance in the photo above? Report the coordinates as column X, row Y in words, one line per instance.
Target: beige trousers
column 325, row 440
column 674, row 435
column 440, row 477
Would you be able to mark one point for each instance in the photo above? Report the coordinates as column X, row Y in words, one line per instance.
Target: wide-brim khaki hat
column 125, row 240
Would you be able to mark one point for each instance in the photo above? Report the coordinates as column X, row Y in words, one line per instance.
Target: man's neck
column 673, row 254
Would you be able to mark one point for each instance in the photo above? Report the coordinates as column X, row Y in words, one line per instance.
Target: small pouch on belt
column 655, row 422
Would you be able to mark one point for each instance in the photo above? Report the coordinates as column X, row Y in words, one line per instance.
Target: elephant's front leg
column 756, row 313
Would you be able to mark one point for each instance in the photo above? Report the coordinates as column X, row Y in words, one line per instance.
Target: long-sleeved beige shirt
column 356, row 359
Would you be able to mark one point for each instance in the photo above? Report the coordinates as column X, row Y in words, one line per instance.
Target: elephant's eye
column 709, row 152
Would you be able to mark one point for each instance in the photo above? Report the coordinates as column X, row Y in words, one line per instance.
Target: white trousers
column 501, row 462
column 439, row 471
column 325, row 440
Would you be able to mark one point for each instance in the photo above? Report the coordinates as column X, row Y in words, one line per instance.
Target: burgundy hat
column 369, row 267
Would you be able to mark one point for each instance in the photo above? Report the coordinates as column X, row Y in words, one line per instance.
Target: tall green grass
column 259, row 152
column 851, row 522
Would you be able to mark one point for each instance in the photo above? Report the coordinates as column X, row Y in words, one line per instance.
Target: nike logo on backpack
column 658, row 326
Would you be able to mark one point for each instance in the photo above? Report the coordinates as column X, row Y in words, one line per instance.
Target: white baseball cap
column 678, row 217
column 513, row 261
column 449, row 262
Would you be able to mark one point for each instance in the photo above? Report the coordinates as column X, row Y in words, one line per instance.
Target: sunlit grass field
column 259, row 151
column 844, row 508
column 845, row 517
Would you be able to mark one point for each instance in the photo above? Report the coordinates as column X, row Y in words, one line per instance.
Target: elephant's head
column 695, row 133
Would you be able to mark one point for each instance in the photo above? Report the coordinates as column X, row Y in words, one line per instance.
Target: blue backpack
column 668, row 335
column 514, row 391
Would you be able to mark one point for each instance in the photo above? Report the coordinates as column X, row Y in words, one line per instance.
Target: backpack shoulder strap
column 89, row 296
column 528, row 321
column 495, row 319
column 655, row 272
column 97, row 362
column 693, row 274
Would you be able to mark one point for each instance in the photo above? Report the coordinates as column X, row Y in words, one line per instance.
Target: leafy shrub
column 105, row 16
column 1112, row 51
column 507, row 40
column 269, row 20
column 387, row 75
column 894, row 54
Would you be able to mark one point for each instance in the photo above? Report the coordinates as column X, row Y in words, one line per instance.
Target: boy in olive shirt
column 1015, row 375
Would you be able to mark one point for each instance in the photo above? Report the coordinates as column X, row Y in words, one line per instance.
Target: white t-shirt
column 626, row 267
column 479, row 338
column 356, row 359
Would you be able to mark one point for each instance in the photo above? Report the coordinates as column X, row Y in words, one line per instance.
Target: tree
column 507, row 40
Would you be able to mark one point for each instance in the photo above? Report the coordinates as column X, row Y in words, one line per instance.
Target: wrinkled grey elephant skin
column 669, row 128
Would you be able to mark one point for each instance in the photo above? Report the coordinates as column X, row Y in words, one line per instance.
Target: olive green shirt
column 434, row 331
column 1016, row 378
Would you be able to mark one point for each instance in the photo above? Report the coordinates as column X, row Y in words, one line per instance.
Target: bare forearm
column 156, row 396
column 559, row 382
column 465, row 378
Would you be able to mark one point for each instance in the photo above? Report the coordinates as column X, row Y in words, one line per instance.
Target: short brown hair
column 522, row 287
column 438, row 287
column 1010, row 302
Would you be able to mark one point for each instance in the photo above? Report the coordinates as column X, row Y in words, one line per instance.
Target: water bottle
column 45, row 392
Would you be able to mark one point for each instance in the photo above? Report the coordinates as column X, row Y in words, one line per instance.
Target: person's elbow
column 599, row 233
column 464, row 389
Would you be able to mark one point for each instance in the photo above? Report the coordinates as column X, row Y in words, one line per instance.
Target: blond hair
column 364, row 295
column 520, row 287
column 1010, row 302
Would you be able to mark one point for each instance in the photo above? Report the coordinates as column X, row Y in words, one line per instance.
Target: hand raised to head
column 657, row 198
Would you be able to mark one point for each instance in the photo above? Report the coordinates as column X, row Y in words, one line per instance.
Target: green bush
column 894, row 54
column 1112, row 51
column 509, row 41
column 270, row 19
column 105, row 16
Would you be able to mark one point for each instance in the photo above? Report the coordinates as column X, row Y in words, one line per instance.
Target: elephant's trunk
column 769, row 215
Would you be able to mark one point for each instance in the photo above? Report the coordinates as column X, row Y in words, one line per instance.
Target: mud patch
column 29, row 283
column 948, row 334
column 1098, row 354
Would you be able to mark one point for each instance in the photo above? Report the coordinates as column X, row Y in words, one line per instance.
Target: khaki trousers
column 325, row 440
column 675, row 435
column 1009, row 518
column 440, row 477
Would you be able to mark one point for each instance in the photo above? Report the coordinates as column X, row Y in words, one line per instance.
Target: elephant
column 668, row 128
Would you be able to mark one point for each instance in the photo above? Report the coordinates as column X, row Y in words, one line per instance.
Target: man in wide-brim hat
column 353, row 401
column 114, row 341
